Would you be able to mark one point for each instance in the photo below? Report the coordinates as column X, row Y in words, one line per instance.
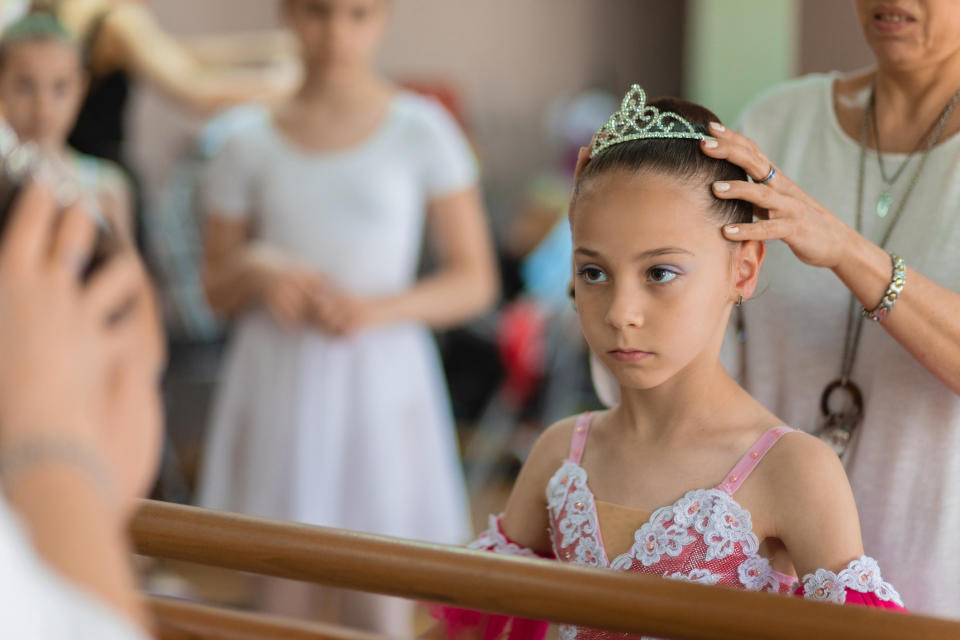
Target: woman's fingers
column 28, row 229
column 743, row 152
column 761, row 230
column 747, row 158
column 73, row 242
column 757, row 194
column 114, row 288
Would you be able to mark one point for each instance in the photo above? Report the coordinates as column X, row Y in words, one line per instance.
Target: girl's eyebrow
column 651, row 253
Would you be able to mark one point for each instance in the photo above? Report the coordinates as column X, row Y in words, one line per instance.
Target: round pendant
column 883, row 203
column 838, row 423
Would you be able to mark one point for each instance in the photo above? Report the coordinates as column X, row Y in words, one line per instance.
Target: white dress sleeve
column 36, row 603
column 448, row 161
column 230, row 180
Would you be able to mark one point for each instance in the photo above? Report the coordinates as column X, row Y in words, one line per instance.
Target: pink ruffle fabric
column 457, row 621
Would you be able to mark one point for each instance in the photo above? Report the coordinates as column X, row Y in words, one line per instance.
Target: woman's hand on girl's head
column 81, row 361
column 785, row 211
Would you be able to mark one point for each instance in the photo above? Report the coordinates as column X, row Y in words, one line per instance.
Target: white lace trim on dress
column 711, row 512
column 862, row 575
column 493, row 540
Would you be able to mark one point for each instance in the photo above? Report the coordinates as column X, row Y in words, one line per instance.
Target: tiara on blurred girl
column 21, row 162
column 636, row 120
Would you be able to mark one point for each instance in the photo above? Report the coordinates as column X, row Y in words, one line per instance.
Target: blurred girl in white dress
column 332, row 408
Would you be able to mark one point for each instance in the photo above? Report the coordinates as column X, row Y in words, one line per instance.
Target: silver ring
column 769, row 177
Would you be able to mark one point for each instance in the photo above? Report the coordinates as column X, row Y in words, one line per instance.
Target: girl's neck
column 701, row 397
column 342, row 87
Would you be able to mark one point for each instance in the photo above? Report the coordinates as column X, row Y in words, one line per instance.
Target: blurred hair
column 36, row 26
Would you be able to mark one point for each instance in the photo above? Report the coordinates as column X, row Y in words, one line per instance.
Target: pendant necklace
column 838, row 423
column 885, row 199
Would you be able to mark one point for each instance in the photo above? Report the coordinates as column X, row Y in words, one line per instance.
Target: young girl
column 42, row 84
column 332, row 409
column 687, row 477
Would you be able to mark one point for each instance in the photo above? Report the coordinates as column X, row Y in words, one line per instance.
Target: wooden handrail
column 178, row 620
column 538, row 589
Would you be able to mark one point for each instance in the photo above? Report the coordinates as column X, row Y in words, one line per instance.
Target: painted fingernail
column 721, row 186
column 732, row 228
column 710, row 144
column 716, row 126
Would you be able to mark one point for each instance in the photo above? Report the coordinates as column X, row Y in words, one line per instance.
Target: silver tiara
column 636, row 120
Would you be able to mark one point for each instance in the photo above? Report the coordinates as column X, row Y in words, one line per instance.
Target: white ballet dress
column 351, row 432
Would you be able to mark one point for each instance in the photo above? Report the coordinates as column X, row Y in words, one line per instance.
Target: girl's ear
column 746, row 268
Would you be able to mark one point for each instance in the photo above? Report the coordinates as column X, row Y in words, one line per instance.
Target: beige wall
column 830, row 38
column 508, row 59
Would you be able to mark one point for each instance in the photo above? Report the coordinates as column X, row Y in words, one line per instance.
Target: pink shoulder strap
column 579, row 439
column 742, row 470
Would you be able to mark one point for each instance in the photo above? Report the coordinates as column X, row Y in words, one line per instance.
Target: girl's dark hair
column 677, row 157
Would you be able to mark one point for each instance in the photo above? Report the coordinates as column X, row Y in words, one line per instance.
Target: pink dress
column 704, row 537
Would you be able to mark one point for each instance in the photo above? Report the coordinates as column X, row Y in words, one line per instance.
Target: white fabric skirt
column 354, row 433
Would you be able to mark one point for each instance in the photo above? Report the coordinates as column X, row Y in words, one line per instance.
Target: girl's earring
column 740, row 302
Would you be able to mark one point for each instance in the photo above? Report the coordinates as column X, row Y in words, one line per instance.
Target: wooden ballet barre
column 179, row 620
column 537, row 589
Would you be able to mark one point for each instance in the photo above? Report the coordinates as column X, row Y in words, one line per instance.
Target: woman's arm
column 265, row 47
column 464, row 286
column 77, row 533
column 926, row 318
column 133, row 40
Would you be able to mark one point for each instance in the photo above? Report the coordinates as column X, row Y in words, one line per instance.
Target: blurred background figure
column 42, row 84
column 332, row 408
column 122, row 44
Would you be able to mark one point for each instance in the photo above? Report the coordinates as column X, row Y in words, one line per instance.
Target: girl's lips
column 630, row 355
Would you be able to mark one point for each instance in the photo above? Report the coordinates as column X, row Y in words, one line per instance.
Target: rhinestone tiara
column 21, row 162
column 636, row 120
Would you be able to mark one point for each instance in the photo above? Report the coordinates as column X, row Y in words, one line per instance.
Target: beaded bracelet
column 897, row 282
column 26, row 455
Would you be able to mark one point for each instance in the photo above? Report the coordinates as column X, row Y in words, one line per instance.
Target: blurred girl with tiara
column 687, row 477
column 42, row 85
column 332, row 408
